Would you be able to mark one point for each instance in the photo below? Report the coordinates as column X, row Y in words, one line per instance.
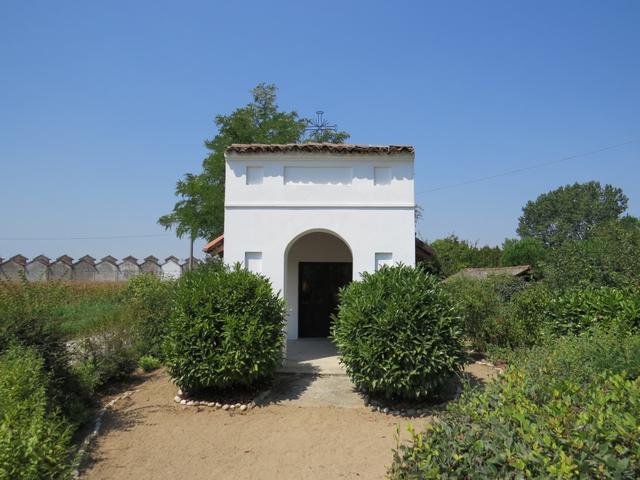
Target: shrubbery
column 398, row 333
column 226, row 330
column 561, row 413
column 578, row 311
column 108, row 351
column 480, row 304
column 28, row 319
column 581, row 358
column 149, row 300
column 34, row 439
column 607, row 257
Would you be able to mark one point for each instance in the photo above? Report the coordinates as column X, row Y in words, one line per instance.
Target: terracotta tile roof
column 481, row 273
column 215, row 246
column 318, row 148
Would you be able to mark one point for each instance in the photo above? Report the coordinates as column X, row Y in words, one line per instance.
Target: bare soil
column 149, row 436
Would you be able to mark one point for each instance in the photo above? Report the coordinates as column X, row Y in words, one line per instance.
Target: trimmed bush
column 540, row 421
column 226, row 330
column 34, row 439
column 398, row 333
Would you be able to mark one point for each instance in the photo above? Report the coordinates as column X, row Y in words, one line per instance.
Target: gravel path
column 295, row 436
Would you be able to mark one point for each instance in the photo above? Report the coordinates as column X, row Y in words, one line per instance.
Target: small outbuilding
column 37, row 270
column 522, row 271
column 107, row 269
column 171, row 267
column 13, row 268
column 61, row 269
column 151, row 265
column 313, row 217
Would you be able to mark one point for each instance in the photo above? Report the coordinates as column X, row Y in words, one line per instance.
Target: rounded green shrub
column 398, row 333
column 226, row 329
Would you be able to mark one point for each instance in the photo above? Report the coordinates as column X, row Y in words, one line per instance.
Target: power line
column 106, row 237
column 524, row 169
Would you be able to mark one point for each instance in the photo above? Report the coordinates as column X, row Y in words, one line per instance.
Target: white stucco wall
column 289, row 195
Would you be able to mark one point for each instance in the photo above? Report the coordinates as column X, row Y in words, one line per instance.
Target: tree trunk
column 191, row 255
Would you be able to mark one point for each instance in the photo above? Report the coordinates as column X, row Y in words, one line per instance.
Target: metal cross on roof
column 320, row 125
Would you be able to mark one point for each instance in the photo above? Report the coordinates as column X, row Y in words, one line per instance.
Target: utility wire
column 109, row 237
column 524, row 169
column 444, row 187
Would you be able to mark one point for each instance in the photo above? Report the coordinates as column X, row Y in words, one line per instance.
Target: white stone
column 177, row 399
column 243, row 408
column 183, row 402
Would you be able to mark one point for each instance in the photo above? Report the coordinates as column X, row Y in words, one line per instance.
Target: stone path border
column 230, row 407
column 86, row 443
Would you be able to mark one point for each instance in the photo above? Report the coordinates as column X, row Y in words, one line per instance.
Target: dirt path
column 148, row 436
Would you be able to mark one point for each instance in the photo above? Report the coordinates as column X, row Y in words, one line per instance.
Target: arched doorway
column 317, row 264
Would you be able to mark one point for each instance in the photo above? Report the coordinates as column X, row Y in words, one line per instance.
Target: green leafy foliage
column 525, row 251
column 578, row 311
column 29, row 318
column 522, row 319
column 581, row 358
column 480, row 303
column 149, row 300
column 108, row 352
column 149, row 363
column 34, row 439
column 564, row 413
column 226, row 330
column 609, row 256
column 455, row 254
column 398, row 333
column 569, row 212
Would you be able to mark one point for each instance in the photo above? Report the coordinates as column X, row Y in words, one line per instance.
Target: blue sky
column 104, row 105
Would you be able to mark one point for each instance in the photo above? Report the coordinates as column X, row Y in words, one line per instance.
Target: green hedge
column 540, row 420
column 226, row 330
column 34, row 439
column 579, row 310
column 398, row 333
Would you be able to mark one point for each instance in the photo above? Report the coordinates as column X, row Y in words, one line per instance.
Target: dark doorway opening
column 318, row 285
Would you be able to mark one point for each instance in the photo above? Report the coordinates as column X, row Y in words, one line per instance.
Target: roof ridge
column 319, row 147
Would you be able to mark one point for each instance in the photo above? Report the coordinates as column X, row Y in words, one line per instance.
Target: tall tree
column 609, row 256
column 199, row 212
column 569, row 212
column 455, row 254
column 524, row 251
